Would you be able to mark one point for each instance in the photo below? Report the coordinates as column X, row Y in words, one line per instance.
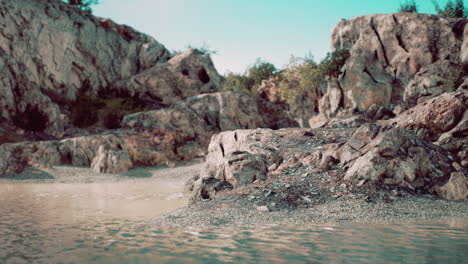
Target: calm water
column 108, row 223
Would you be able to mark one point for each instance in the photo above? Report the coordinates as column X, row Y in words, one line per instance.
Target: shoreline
column 236, row 208
column 224, row 212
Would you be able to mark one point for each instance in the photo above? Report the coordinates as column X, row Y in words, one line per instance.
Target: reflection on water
column 106, row 223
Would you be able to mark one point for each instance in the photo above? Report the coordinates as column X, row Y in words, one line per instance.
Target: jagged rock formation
column 388, row 51
column 185, row 75
column 50, row 51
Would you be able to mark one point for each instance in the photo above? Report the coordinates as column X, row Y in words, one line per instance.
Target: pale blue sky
column 243, row 30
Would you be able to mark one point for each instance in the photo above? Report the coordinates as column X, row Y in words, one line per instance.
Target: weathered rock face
column 435, row 116
column 49, row 50
column 455, row 189
column 395, row 157
column 184, row 130
column 185, row 75
column 388, row 50
column 432, row 80
column 199, row 114
column 237, row 158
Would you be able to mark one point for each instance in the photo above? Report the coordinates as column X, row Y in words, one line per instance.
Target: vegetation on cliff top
column 451, row 9
column 82, row 4
column 301, row 74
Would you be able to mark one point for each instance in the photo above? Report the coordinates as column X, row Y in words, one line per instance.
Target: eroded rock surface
column 394, row 157
column 62, row 49
column 184, row 75
column 388, row 50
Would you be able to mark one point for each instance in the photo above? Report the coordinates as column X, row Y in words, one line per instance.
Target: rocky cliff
column 61, row 64
column 400, row 58
column 51, row 51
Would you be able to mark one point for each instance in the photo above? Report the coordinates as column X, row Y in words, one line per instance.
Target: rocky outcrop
column 199, row 114
column 49, row 50
column 436, row 116
column 432, row 80
column 51, row 53
column 184, row 75
column 394, row 157
column 389, row 50
column 455, row 189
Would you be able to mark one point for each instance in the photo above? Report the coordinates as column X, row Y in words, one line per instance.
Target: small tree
column 260, row 71
column 305, row 74
column 452, row 9
column 83, row 4
column 409, row 6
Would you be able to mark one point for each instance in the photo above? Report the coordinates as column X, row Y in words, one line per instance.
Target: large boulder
column 455, row 189
column 435, row 116
column 395, row 157
column 184, row 75
column 388, row 50
column 49, row 50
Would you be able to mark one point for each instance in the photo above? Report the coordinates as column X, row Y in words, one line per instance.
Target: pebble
column 263, row 208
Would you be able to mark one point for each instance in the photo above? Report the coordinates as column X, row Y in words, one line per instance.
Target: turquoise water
column 57, row 232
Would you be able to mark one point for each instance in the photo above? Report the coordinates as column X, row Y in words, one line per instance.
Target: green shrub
column 249, row 82
column 237, row 83
column 32, row 119
column 452, row 9
column 260, row 71
column 305, row 74
column 409, row 6
column 83, row 4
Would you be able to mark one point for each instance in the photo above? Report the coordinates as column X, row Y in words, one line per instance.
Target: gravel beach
column 237, row 208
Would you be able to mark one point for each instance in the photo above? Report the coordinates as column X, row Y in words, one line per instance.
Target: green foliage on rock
column 409, row 6
column 82, row 4
column 250, row 81
column 452, row 9
column 304, row 73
